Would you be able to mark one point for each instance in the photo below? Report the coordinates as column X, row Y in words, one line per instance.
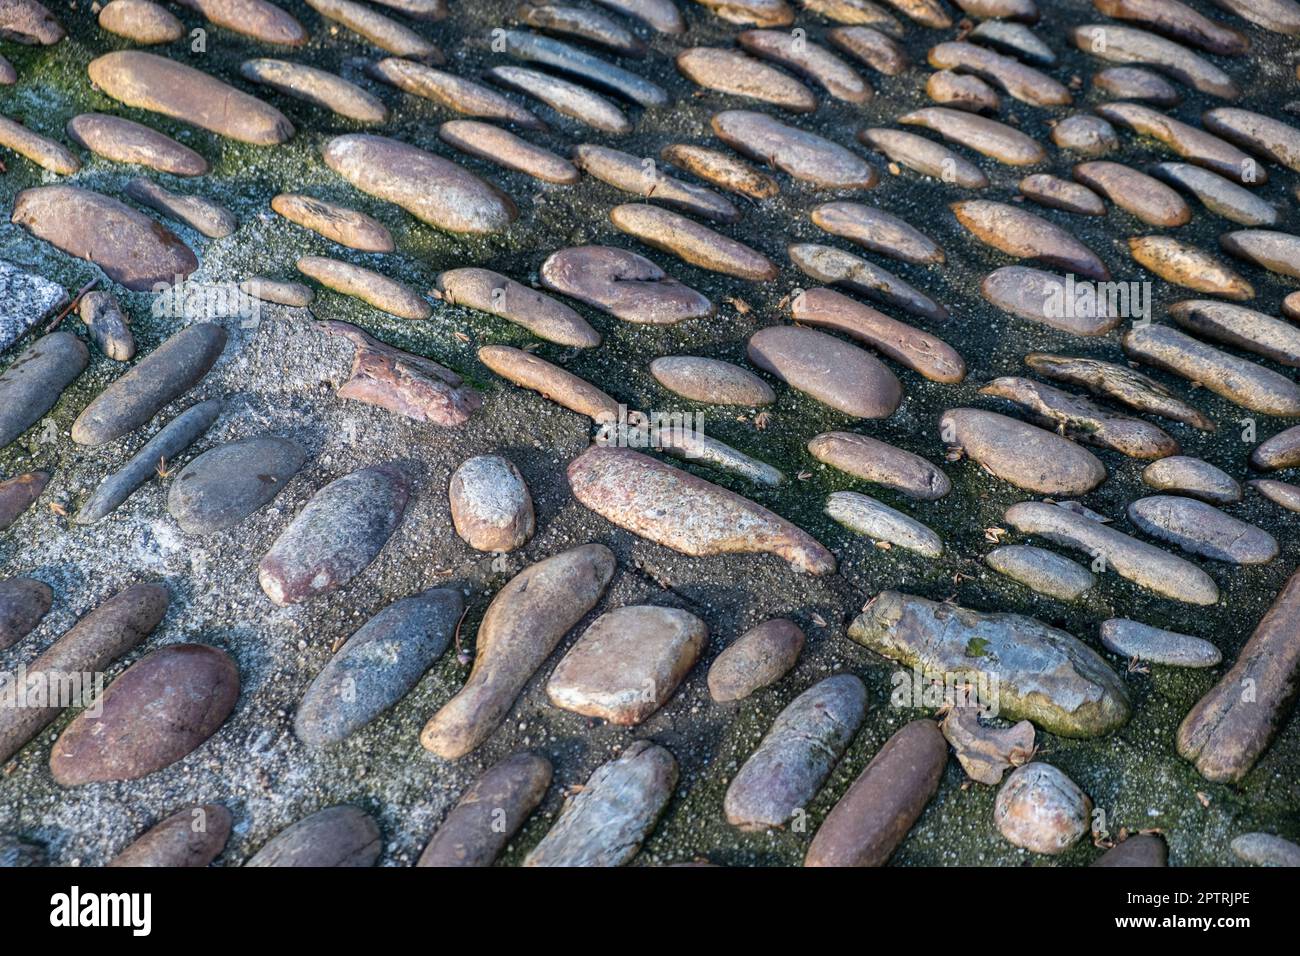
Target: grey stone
column 226, row 484
column 35, row 380
column 1202, row 529
column 1134, row 639
column 1043, row 571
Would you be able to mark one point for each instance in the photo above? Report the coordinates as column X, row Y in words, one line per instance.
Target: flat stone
column 25, row 299
column 192, row 837
column 1145, row 565
column 837, row 267
column 1280, row 451
column 1019, row 80
column 333, row 837
column 1135, row 83
column 121, row 140
column 627, row 664
column 504, row 148
column 1180, row 22
column 23, row 603
column 881, row 463
column 132, row 249
column 1140, row 849
column 882, row 53
column 962, row 92
column 606, row 821
column 1048, row 190
column 876, row 520
column 1227, row 731
column 1278, row 141
column 454, row 92
column 278, row 291
column 1190, row 142
column 1042, row 571
column 803, row 155
column 172, row 439
column 1014, row 38
column 1279, row 492
column 1042, row 810
column 29, row 22
column 1244, row 328
column 878, row 231
column 1085, row 134
column 1192, row 477
column 258, row 19
column 41, row 150
column 318, row 87
column 107, row 326
column 380, row 31
column 162, row 708
column 1280, row 16
column 721, row 169
column 736, row 74
column 683, row 442
column 833, row 372
column 19, row 493
column 520, row 629
column 35, row 380
column 90, row 646
column 583, row 24
column 554, row 383
column 1022, row 454
column 1246, row 383
column 1143, row 196
column 1120, row 44
column 868, row 823
column 141, row 21
column 554, row 54
column 568, row 99
column 1120, row 384
column 540, row 314
column 631, row 490
column 336, row 535
column 160, row 85
column 1024, row 235
column 161, row 377
column 760, row 12
column 430, row 188
column 925, row 156
column 711, row 380
column 338, row 223
column 796, row 755
column 377, row 666
column 489, row 813
column 986, row 753
column 626, row 285
column 1277, row 252
column 1202, row 529
column 692, row 242
column 226, row 484
column 387, row 295
column 1265, row 849
column 1138, row 641
column 1043, row 674
column 641, row 176
column 758, row 658
column 491, row 508
column 1221, row 196
column 799, row 54
column 1049, row 299
column 986, row 136
column 201, row 215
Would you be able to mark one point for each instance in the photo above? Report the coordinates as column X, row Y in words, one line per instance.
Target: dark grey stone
column 31, row 386
column 225, row 485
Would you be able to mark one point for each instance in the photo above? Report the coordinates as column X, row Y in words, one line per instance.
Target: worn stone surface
column 345, row 226
column 19, row 493
column 1140, row 849
column 23, row 602
column 1048, row 299
column 1266, row 849
column 759, row 657
column 1192, row 477
column 1043, row 571
column 318, row 87
column 562, row 387
column 41, row 150
column 1135, row 640
column 1118, row 383
column 107, row 326
column 626, row 285
column 986, row 136
column 191, row 837
column 454, row 92
column 504, row 148
column 1041, row 809
column 881, row 523
column 1025, row 455
column 372, row 287
column 491, row 292
column 986, row 753
column 1202, row 529
column 835, row 373
column 691, row 242
column 336, row 836
column 121, row 140
column 200, row 214
column 711, row 380
column 33, row 383
column 490, row 504
column 837, row 267
column 143, row 21
column 226, row 484
column 803, row 155
column 1027, row 236
column 731, row 71
column 489, row 813
column 880, row 463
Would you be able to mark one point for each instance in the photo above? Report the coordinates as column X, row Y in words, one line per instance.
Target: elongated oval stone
column 162, row 708
column 812, row 60
column 1085, row 134
column 18, row 493
column 583, row 24
column 430, row 188
column 962, row 92
column 734, row 73
column 1143, row 642
column 870, row 44
column 628, row 663
column 318, row 87
column 837, row 267
column 631, row 489
column 796, row 755
column 192, row 837
column 377, row 666
column 522, row 626
column 1144, row 564
column 1227, row 731
column 926, row 354
column 340, row 836
column 23, row 603
column 1025, row 455
column 92, row 644
column 879, row 522
column 1021, row 81
column 1280, row 451
column 223, row 486
column 989, row 137
column 339, row 532
column 1135, row 83
column 568, row 99
column 1049, row 299
column 1178, row 21
column 1275, row 251
column 172, row 439
column 1261, row 134
column 1118, row 383
column 1242, row 327
column 626, row 285
column 925, row 156
column 41, row 150
column 143, row 21
column 131, row 248
column 606, row 821
column 35, row 380
column 835, row 373
column 639, row 175
column 711, row 380
column 1247, row 383
column 1267, row 849
column 258, row 19
column 880, row 463
column 161, row 377
column 759, row 657
column 560, row 386
column 454, row 92
column 1026, row 236
column 345, row 226
column 868, row 823
column 878, row 231
column 694, row 243
column 1192, row 477
column 1120, row 44
column 1221, row 196
column 28, row 22
column 369, row 286
column 121, row 140
column 491, row 292
column 1042, row 571
column 1202, row 529
column 490, row 504
column 1146, row 198
column 1190, row 142
column 155, row 83
column 380, row 31
column 201, row 215
column 803, row 155
column 557, row 55
column 489, row 813
column 504, row 148
column 721, row 169
column 1044, row 674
